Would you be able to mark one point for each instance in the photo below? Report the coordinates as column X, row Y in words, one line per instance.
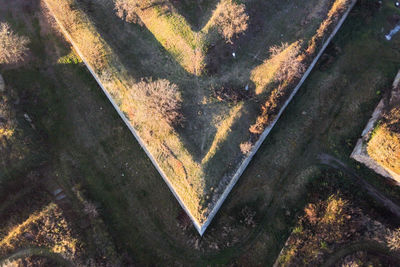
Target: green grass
column 89, row 144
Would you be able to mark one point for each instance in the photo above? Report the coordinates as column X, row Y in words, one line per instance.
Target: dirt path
column 365, row 245
column 333, row 162
column 41, row 252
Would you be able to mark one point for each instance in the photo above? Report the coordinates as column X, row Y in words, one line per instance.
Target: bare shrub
column 311, row 213
column 47, row 228
column 391, row 119
column 231, row 19
column 183, row 221
column 231, row 93
column 13, row 47
column 158, row 100
column 248, row 216
column 90, row 209
column 7, row 118
column 326, row 225
column 246, row 147
column 393, row 239
column 128, row 9
column 290, row 66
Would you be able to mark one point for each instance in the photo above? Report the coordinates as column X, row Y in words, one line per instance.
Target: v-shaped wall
column 230, row 95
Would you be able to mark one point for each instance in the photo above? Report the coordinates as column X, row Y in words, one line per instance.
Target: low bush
column 290, row 65
column 128, row 9
column 246, row 147
column 231, row 19
column 13, row 47
column 393, row 240
column 158, row 100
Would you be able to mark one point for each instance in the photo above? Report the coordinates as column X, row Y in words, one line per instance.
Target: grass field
column 88, row 144
column 201, row 156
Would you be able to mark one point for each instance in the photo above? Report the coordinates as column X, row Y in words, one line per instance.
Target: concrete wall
column 360, row 151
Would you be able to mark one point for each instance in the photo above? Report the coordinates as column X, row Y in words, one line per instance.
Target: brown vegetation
column 7, row 118
column 268, row 111
column 393, row 240
column 46, row 228
column 13, row 47
column 246, row 147
column 326, row 226
column 338, row 7
column 128, row 9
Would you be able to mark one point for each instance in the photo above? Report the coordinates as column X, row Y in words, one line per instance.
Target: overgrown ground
column 200, row 156
column 89, row 145
column 340, row 227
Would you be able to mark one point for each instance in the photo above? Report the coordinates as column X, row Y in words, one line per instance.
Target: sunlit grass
column 71, row 58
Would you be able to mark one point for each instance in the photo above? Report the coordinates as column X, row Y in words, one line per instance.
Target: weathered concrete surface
column 395, row 97
column 360, row 151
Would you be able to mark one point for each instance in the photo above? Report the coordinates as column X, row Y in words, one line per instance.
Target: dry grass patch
column 384, row 145
column 48, row 228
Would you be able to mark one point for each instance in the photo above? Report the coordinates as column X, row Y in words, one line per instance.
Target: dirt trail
column 364, row 245
column 40, row 252
column 333, row 162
